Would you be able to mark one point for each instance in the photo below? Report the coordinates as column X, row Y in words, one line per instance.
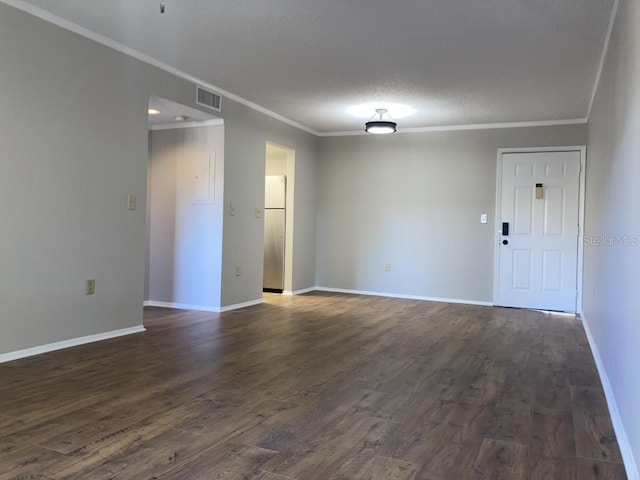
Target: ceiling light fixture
column 153, row 111
column 380, row 126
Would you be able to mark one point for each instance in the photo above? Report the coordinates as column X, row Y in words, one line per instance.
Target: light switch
column 131, row 202
column 484, row 218
column 232, row 210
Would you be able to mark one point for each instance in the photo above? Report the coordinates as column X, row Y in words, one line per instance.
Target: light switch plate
column 484, row 218
column 131, row 202
column 258, row 213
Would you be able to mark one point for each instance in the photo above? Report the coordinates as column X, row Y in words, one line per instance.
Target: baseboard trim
column 299, row 292
column 236, row 306
column 408, row 297
column 74, row 342
column 201, row 308
column 628, row 458
column 181, row 306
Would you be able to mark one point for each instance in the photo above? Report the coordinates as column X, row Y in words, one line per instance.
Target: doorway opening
column 278, row 219
column 184, row 207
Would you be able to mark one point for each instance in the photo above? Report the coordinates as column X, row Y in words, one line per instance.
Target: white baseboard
column 623, row 441
column 201, row 308
column 408, row 297
column 74, row 342
column 242, row 305
column 181, row 306
column 299, row 292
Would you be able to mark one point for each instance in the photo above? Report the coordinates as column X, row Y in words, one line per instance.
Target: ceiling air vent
column 208, row 99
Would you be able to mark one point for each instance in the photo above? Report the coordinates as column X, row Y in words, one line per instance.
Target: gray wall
column 185, row 237
column 74, row 138
column 246, row 135
column 415, row 200
column 74, row 145
column 612, row 272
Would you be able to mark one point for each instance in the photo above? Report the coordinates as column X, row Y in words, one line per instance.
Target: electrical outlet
column 131, row 202
column 258, row 213
column 91, row 287
column 237, row 271
column 387, row 267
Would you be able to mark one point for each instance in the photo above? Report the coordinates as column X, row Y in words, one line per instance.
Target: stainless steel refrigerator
column 274, row 233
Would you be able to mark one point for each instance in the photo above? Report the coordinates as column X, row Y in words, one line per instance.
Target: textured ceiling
column 456, row 62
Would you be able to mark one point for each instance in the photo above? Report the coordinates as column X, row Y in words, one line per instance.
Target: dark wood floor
column 319, row 386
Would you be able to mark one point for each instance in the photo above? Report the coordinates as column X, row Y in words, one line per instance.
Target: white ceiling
column 457, row 62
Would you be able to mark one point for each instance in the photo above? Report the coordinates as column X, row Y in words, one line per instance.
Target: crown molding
column 603, row 57
column 480, row 126
column 107, row 42
column 173, row 126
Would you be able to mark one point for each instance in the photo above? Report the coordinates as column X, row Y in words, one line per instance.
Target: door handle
column 505, row 229
column 505, row 242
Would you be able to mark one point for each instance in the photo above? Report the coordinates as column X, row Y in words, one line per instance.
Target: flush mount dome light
column 153, row 111
column 380, row 126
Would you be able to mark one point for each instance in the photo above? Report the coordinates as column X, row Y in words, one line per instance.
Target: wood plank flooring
column 318, row 386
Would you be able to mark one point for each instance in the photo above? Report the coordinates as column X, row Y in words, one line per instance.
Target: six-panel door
column 538, row 259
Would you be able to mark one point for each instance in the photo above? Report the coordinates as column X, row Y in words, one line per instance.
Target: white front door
column 538, row 236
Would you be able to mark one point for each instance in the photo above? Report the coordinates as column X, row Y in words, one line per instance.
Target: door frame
column 498, row 214
column 289, row 214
